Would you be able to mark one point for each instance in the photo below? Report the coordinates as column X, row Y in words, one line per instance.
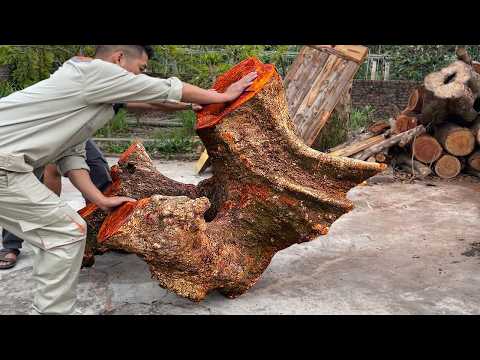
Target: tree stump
column 451, row 91
column 268, row 191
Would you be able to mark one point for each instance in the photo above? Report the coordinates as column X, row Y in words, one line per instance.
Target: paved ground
column 405, row 249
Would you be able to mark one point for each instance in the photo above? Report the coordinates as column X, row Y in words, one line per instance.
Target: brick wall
column 382, row 95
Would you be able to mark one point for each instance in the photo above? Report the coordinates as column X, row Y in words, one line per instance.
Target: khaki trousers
column 56, row 232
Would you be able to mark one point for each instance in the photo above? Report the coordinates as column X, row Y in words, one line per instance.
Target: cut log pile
column 438, row 133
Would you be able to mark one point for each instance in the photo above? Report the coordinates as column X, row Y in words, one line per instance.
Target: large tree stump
column 457, row 140
column 451, row 91
column 269, row 191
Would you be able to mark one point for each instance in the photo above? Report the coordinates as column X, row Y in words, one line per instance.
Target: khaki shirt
column 50, row 121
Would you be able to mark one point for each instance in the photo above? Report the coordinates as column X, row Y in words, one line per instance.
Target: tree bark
column 135, row 176
column 426, row 149
column 455, row 139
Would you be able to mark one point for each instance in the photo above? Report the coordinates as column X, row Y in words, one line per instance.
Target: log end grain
column 426, row 149
column 460, row 143
column 448, row 166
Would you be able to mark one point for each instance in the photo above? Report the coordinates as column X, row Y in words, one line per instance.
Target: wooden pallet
column 314, row 84
column 316, row 81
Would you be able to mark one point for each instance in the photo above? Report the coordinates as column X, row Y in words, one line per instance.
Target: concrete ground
column 404, row 249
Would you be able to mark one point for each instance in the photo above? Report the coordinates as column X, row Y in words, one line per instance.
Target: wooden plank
column 355, row 53
column 319, row 89
column 359, row 146
column 202, row 163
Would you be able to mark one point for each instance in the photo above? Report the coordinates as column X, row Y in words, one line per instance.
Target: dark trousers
column 99, row 174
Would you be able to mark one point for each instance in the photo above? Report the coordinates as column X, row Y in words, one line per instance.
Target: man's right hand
column 107, row 204
column 237, row 88
column 196, row 95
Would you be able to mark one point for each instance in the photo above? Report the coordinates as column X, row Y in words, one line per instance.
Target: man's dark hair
column 138, row 50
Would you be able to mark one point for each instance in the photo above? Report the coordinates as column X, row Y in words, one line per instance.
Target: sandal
column 10, row 262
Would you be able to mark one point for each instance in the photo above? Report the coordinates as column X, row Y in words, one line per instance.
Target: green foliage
column 32, row 63
column 6, row 88
column 116, row 148
column 175, row 141
column 117, row 125
column 200, row 64
column 188, row 121
column 361, row 118
column 337, row 131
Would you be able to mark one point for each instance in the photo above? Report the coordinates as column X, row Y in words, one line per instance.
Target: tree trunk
column 474, row 160
column 426, row 149
column 448, row 166
column 455, row 139
column 451, row 91
column 268, row 191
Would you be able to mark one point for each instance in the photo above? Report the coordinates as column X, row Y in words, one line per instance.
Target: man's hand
column 109, row 203
column 196, row 107
column 196, row 95
column 237, row 88
column 80, row 178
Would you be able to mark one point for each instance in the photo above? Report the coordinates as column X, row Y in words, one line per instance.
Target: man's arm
column 80, row 178
column 52, row 179
column 166, row 107
column 109, row 84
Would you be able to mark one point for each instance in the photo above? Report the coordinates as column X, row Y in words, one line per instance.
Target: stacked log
column 438, row 132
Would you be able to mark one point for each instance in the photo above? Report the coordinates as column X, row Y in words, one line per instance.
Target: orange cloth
column 212, row 114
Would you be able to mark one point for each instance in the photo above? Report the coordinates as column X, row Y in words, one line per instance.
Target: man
column 49, row 122
column 99, row 174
